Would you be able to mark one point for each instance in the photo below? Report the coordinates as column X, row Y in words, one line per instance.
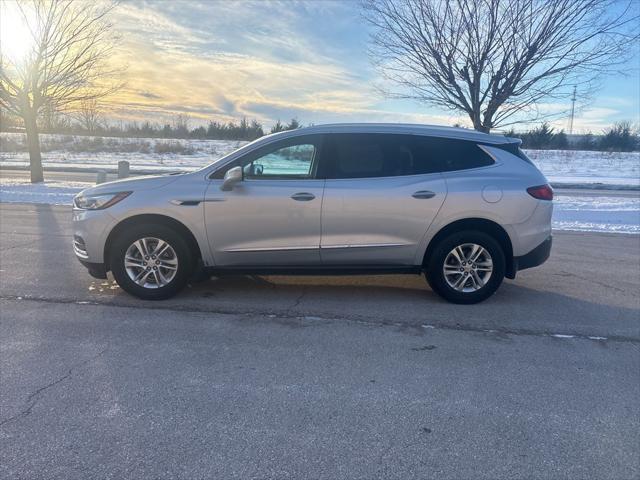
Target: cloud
column 149, row 95
column 261, row 59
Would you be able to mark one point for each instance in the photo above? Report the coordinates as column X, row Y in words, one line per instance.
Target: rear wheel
column 466, row 267
column 151, row 262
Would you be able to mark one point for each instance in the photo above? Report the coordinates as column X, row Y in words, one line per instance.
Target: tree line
column 621, row 137
column 179, row 127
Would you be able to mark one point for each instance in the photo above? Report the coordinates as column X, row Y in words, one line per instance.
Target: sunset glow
column 226, row 60
column 16, row 40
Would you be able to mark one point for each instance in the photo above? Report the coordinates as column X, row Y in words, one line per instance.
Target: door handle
column 422, row 194
column 303, row 196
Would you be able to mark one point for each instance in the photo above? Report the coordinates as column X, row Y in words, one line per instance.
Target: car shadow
column 406, row 300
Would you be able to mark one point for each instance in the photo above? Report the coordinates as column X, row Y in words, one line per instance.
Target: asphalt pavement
column 317, row 377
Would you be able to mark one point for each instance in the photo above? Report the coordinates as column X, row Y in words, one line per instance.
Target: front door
column 380, row 198
column 271, row 217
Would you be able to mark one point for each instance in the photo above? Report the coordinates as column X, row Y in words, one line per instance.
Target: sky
column 270, row 60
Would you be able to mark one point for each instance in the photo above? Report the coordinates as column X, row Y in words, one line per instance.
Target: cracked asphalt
column 317, row 377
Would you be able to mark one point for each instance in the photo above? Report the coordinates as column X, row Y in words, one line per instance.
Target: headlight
column 99, row 201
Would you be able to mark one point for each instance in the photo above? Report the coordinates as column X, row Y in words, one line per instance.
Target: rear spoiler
column 517, row 141
column 512, row 145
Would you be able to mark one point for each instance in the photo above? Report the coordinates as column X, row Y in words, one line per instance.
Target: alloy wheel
column 468, row 267
column 151, row 262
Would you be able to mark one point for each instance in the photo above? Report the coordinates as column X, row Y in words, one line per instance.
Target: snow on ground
column 584, row 167
column 597, row 213
column 143, row 154
column 154, row 154
column 51, row 193
column 591, row 213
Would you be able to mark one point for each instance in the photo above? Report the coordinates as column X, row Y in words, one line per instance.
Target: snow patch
column 586, row 167
column 51, row 193
column 597, row 213
column 143, row 154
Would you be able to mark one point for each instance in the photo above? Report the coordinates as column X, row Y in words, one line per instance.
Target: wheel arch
column 152, row 219
column 478, row 224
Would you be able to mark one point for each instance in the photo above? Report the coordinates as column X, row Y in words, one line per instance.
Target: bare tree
column 52, row 120
column 66, row 64
column 181, row 125
column 89, row 115
column 499, row 60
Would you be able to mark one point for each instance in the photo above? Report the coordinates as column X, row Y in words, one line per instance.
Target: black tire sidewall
column 435, row 274
column 179, row 245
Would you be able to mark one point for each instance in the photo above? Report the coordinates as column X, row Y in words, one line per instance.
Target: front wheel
column 152, row 262
column 466, row 267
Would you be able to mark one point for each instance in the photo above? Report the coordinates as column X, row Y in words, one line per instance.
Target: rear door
column 380, row 197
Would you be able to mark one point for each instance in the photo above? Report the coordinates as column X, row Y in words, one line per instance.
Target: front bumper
column 89, row 236
column 90, row 228
column 535, row 257
column 96, row 270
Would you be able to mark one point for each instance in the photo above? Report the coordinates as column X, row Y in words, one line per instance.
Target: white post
column 123, row 169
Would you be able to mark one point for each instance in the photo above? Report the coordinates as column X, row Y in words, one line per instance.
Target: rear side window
column 446, row 154
column 514, row 149
column 364, row 155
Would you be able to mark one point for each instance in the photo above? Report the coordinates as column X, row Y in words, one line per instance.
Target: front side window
column 294, row 161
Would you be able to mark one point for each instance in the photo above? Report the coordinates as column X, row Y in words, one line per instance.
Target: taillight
column 541, row 192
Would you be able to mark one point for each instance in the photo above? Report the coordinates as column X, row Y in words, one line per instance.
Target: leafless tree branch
column 66, row 66
column 499, row 60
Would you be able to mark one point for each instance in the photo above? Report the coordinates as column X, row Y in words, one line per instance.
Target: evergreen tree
column 294, row 124
column 587, row 142
column 540, row 137
column 559, row 141
column 620, row 138
column 278, row 127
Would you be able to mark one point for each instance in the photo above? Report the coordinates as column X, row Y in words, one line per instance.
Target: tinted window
column 446, row 155
column 389, row 155
column 514, row 149
column 361, row 155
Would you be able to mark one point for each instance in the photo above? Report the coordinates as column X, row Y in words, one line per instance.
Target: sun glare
column 16, row 40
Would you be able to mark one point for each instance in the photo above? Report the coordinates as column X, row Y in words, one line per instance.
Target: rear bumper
column 535, row 257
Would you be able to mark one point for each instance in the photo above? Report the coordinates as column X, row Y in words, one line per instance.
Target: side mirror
column 234, row 175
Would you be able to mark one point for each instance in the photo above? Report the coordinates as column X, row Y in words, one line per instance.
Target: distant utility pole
column 573, row 110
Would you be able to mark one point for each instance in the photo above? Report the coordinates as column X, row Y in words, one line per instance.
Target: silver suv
column 465, row 208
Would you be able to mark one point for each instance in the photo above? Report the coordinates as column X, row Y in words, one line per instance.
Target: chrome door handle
column 303, row 196
column 424, row 194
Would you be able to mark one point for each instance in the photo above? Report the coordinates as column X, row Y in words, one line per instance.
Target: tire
column 474, row 282
column 173, row 270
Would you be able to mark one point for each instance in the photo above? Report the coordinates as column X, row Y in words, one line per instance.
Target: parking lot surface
column 317, row 377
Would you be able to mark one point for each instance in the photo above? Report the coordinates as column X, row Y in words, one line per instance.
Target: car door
column 379, row 199
column 271, row 217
